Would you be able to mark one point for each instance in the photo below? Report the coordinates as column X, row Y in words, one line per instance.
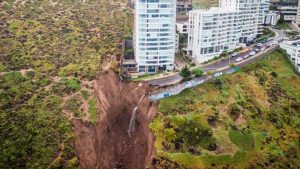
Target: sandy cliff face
column 107, row 144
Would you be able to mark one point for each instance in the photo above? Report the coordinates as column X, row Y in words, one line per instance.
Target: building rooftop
column 214, row 10
column 293, row 42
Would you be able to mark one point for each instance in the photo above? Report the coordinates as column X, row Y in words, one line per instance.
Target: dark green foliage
column 32, row 126
column 197, row 134
column 198, row 72
column 85, row 94
column 217, row 83
column 44, row 40
column 213, row 119
column 71, row 84
column 93, row 110
column 274, row 74
column 163, row 162
column 185, row 73
column 73, row 104
column 243, row 139
column 234, row 110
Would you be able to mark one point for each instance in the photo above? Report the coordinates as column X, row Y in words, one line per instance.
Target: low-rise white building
column 293, row 50
column 287, row 9
column 271, row 18
column 182, row 27
column 213, row 31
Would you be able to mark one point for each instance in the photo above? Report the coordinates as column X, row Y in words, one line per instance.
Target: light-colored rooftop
column 214, row 10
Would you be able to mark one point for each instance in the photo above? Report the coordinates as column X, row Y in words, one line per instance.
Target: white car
column 239, row 59
column 246, row 56
column 263, row 48
column 234, row 54
column 252, row 53
column 259, row 44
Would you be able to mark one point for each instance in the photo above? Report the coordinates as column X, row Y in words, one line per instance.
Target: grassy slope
column 205, row 3
column 263, row 133
column 49, row 53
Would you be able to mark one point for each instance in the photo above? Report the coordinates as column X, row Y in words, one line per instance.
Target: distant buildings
column 154, row 37
column 271, row 18
column 182, row 26
column 298, row 14
column 184, row 6
column 287, row 9
column 293, row 50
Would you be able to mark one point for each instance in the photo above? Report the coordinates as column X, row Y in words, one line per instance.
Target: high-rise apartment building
column 213, row 31
column 227, row 27
column 298, row 14
column 251, row 16
column 154, row 37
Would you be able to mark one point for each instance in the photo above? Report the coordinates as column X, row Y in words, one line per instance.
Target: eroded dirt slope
column 107, row 144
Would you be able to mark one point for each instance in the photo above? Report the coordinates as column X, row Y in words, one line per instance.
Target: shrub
column 198, row 72
column 85, row 94
column 243, row 139
column 274, row 74
column 93, row 110
column 217, row 83
column 170, row 134
column 185, row 73
column 234, row 111
column 73, row 104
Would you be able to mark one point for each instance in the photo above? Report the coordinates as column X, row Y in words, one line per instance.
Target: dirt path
column 107, row 144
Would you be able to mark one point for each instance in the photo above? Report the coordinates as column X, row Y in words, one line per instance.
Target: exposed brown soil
column 107, row 145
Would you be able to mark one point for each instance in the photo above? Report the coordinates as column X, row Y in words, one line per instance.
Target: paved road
column 222, row 64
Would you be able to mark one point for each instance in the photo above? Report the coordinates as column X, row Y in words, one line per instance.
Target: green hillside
column 205, row 3
column 250, row 119
column 50, row 51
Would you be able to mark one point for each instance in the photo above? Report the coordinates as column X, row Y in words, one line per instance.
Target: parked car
column 252, row 53
column 257, row 50
column 274, row 42
column 281, row 40
column 246, row 56
column 259, row 44
column 239, row 59
column 262, row 48
column 234, row 54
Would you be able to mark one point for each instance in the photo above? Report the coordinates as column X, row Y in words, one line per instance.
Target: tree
column 281, row 20
column 185, row 73
column 198, row 72
column 170, row 134
column 234, row 111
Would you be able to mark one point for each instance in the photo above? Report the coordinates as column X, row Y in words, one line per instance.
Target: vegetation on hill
column 202, row 4
column 50, row 51
column 250, row 119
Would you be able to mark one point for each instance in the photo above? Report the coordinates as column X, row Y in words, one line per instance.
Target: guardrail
column 188, row 84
